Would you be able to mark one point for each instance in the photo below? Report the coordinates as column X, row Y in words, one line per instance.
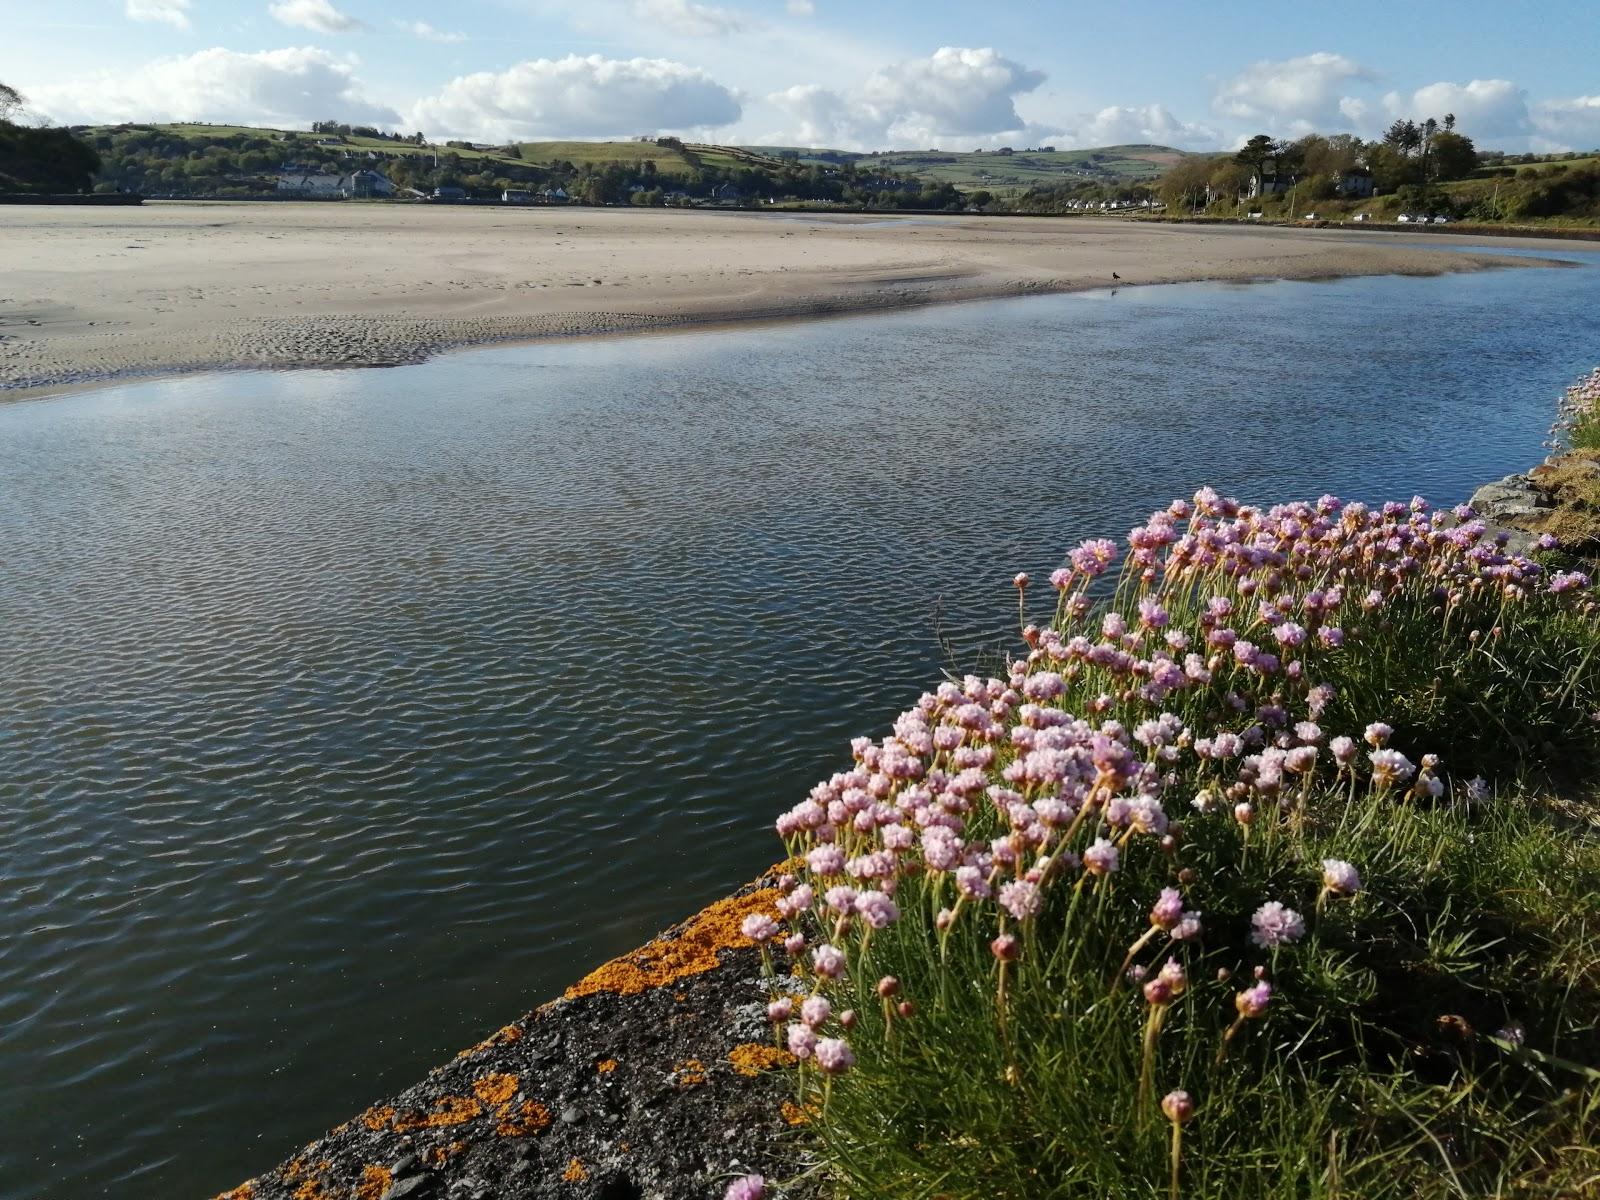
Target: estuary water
column 346, row 715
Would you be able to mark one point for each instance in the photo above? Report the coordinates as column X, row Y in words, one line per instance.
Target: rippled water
column 346, row 715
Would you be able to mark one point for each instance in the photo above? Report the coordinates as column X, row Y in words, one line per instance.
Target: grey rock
column 408, row 1164
column 416, row 1187
column 572, row 1115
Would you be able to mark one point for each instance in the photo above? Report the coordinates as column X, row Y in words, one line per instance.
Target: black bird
column 1114, row 275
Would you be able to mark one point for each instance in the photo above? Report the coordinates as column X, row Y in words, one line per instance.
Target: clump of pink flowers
column 1204, row 695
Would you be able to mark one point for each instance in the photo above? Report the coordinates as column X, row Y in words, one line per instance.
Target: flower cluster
column 1198, row 689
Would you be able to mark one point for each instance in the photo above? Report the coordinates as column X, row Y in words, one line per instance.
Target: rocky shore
column 653, row 1078
column 1559, row 497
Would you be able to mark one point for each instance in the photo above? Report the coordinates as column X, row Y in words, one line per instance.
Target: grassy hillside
column 1006, row 173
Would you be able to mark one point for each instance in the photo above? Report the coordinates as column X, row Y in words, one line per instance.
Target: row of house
column 319, row 185
column 1355, row 184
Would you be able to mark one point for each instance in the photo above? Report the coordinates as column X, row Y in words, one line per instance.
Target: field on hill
column 1003, row 173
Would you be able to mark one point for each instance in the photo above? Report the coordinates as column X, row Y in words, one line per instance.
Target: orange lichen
column 294, row 1168
column 496, row 1089
column 606, row 1066
column 689, row 950
column 575, row 1172
column 378, row 1119
column 375, row 1181
column 437, row 1156
column 447, row 1111
column 793, row 1114
column 524, row 1122
column 752, row 1058
column 311, row 1189
column 500, row 1037
column 691, row 1072
column 245, row 1191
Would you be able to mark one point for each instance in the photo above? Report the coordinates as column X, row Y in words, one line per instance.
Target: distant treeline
column 161, row 161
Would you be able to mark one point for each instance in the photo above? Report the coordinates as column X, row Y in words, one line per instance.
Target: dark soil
column 622, row 1090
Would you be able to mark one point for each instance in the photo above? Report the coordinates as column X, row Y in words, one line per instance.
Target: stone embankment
column 653, row 1078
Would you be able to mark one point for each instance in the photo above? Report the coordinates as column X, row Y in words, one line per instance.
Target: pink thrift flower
column 759, row 927
column 1344, row 750
column 780, row 1010
column 877, row 910
column 825, row 860
column 1378, row 734
column 750, row 1187
column 1340, row 878
column 802, row 1041
column 1100, row 858
column 842, row 899
column 794, row 944
column 1021, row 899
column 1275, row 925
column 1005, row 948
column 828, row 961
column 834, row 1056
column 1252, row 1002
column 1390, row 767
column 1168, row 909
column 815, row 1011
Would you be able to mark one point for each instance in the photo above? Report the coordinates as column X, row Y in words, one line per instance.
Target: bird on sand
column 1114, row 275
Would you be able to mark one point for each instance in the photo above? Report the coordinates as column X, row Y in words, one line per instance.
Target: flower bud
column 1177, row 1106
column 907, row 1009
column 1005, row 948
column 888, row 986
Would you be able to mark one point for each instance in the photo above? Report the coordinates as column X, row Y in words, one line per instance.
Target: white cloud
column 689, row 18
column 1486, row 110
column 577, row 97
column 1568, row 124
column 801, row 8
column 423, row 30
column 170, row 12
column 957, row 98
column 1295, row 94
column 1149, row 123
column 317, row 15
column 289, row 87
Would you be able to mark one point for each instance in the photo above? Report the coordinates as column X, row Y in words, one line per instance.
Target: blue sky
column 822, row 72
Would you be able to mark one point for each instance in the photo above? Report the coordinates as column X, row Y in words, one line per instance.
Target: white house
column 300, row 182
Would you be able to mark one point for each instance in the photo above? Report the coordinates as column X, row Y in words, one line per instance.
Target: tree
column 1187, row 183
column 1452, row 156
column 1255, row 154
column 11, row 101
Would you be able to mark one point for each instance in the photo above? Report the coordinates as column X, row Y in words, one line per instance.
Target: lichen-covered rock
column 653, row 1078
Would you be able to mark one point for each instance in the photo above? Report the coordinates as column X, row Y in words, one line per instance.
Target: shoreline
column 99, row 297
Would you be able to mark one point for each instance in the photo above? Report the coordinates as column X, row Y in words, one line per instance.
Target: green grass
column 1384, row 1067
column 1008, row 174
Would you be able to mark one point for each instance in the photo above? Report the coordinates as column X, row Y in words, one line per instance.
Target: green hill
column 1003, row 172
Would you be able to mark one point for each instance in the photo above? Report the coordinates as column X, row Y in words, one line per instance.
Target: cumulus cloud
column 1294, row 94
column 317, row 15
column 289, row 87
column 1567, row 124
column 427, row 32
column 957, row 98
column 1485, row 109
column 169, row 12
column 689, row 18
column 1149, row 123
column 577, row 97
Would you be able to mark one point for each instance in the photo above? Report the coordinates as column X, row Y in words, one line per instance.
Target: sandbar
column 92, row 295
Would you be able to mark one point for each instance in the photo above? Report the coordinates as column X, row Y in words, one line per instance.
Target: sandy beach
column 94, row 294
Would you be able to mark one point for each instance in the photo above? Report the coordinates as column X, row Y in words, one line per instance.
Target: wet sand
column 96, row 294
